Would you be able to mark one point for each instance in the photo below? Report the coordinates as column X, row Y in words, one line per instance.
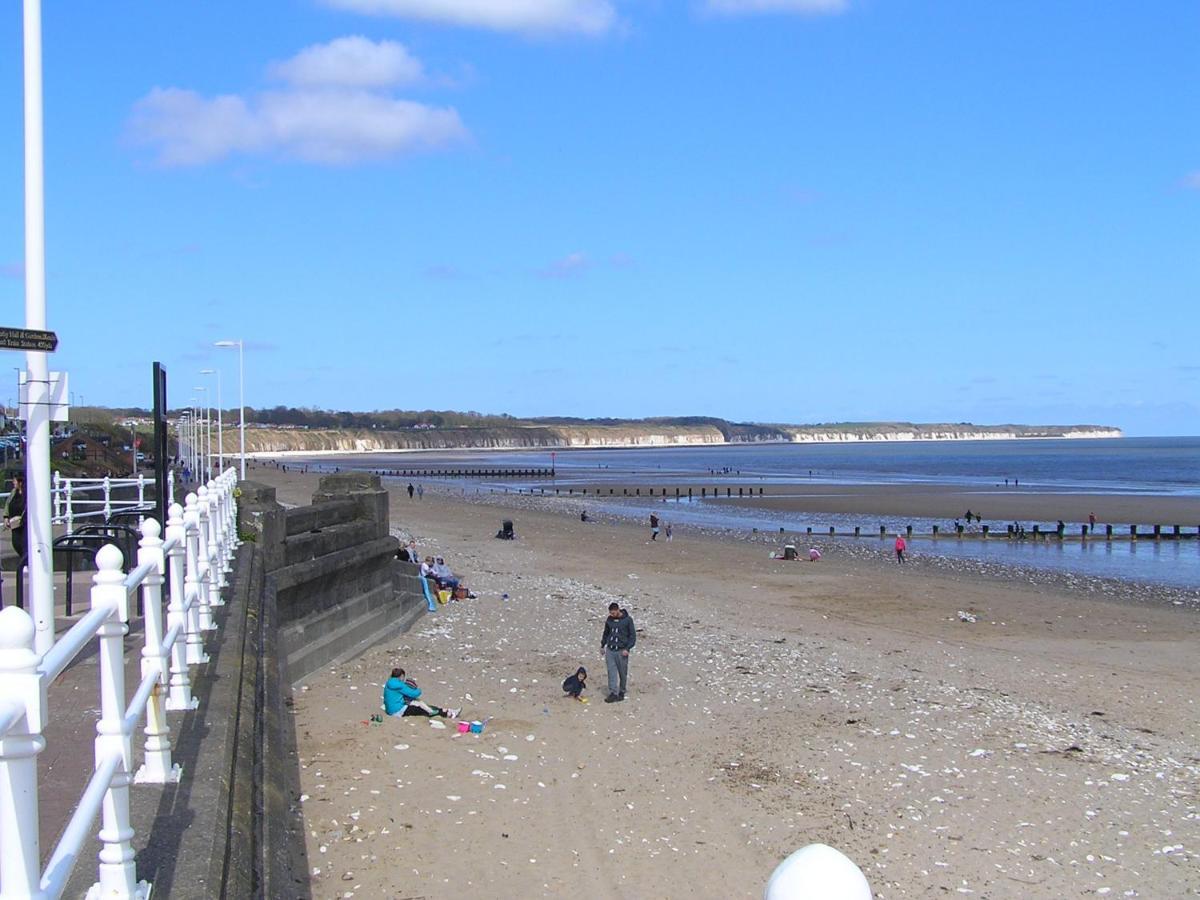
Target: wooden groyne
column 1044, row 532
column 465, row 472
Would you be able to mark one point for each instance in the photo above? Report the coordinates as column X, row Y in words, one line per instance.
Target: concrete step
column 348, row 630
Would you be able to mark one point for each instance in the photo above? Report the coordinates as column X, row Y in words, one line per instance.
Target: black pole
column 160, row 444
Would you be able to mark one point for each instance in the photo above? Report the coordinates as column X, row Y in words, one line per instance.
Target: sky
column 765, row 210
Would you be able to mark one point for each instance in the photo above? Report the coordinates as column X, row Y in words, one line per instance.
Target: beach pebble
column 434, row 723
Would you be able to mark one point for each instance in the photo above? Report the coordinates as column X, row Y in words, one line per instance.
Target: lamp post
column 220, row 427
column 194, row 438
column 206, row 433
column 240, row 344
column 37, row 453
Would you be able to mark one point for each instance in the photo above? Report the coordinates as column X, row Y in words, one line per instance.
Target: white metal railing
column 194, row 561
column 75, row 499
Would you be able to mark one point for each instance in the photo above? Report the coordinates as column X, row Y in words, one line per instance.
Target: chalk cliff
column 633, row 434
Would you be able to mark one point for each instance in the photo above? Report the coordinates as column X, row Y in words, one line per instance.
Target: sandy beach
column 1046, row 749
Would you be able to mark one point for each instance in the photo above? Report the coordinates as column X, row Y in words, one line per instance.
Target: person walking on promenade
column 653, row 527
column 14, row 515
column 411, row 489
column 901, row 546
column 618, row 639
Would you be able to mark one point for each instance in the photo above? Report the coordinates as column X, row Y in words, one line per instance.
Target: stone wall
column 332, row 568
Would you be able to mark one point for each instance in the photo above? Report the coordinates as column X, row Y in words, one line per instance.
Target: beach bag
column 443, row 596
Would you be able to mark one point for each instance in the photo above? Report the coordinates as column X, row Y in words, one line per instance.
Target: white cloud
column 331, row 126
column 333, row 112
column 351, row 62
column 589, row 17
column 570, row 265
column 751, row 7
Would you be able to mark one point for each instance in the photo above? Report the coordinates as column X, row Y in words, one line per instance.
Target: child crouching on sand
column 400, row 698
column 573, row 685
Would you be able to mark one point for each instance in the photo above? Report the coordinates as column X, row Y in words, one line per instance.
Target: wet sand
column 930, row 501
column 1045, row 750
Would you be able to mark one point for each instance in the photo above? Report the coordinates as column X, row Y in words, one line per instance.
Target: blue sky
column 767, row 210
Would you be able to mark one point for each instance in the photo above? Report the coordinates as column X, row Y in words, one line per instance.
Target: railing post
column 200, row 504
column 70, row 506
column 141, row 485
column 236, row 540
column 170, row 487
column 231, row 516
column 20, row 854
column 107, row 498
column 192, row 587
column 118, row 872
column 181, row 686
column 216, row 562
column 156, row 766
column 57, row 496
column 216, row 544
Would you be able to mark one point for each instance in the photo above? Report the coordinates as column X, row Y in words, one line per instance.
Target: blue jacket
column 396, row 694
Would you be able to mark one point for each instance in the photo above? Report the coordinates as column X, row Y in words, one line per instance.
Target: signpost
column 28, row 339
column 161, row 471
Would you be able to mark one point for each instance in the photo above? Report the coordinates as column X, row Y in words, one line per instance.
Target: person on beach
column 411, row 490
column 901, row 546
column 573, row 685
column 1091, row 522
column 615, row 643
column 814, row 555
column 445, row 578
column 668, row 531
column 420, row 492
column 653, row 527
column 14, row 515
column 401, row 697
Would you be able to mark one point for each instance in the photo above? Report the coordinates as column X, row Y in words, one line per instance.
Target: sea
column 1144, row 466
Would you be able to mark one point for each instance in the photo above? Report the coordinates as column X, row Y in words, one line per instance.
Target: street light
column 207, row 433
column 220, row 427
column 38, row 488
column 229, row 345
column 182, row 425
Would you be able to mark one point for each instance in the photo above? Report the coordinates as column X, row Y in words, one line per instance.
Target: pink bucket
column 464, row 727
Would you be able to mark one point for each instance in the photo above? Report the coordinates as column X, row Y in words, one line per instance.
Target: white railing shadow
column 192, row 561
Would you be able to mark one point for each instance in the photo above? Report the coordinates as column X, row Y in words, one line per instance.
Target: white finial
column 108, row 559
column 16, row 629
column 817, row 872
column 150, row 528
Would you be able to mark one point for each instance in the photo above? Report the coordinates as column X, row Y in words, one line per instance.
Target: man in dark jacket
column 616, row 642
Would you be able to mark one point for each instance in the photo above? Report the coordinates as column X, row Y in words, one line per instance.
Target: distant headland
column 565, row 433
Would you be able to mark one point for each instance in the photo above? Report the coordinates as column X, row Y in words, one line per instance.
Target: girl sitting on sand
column 400, row 698
column 573, row 685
